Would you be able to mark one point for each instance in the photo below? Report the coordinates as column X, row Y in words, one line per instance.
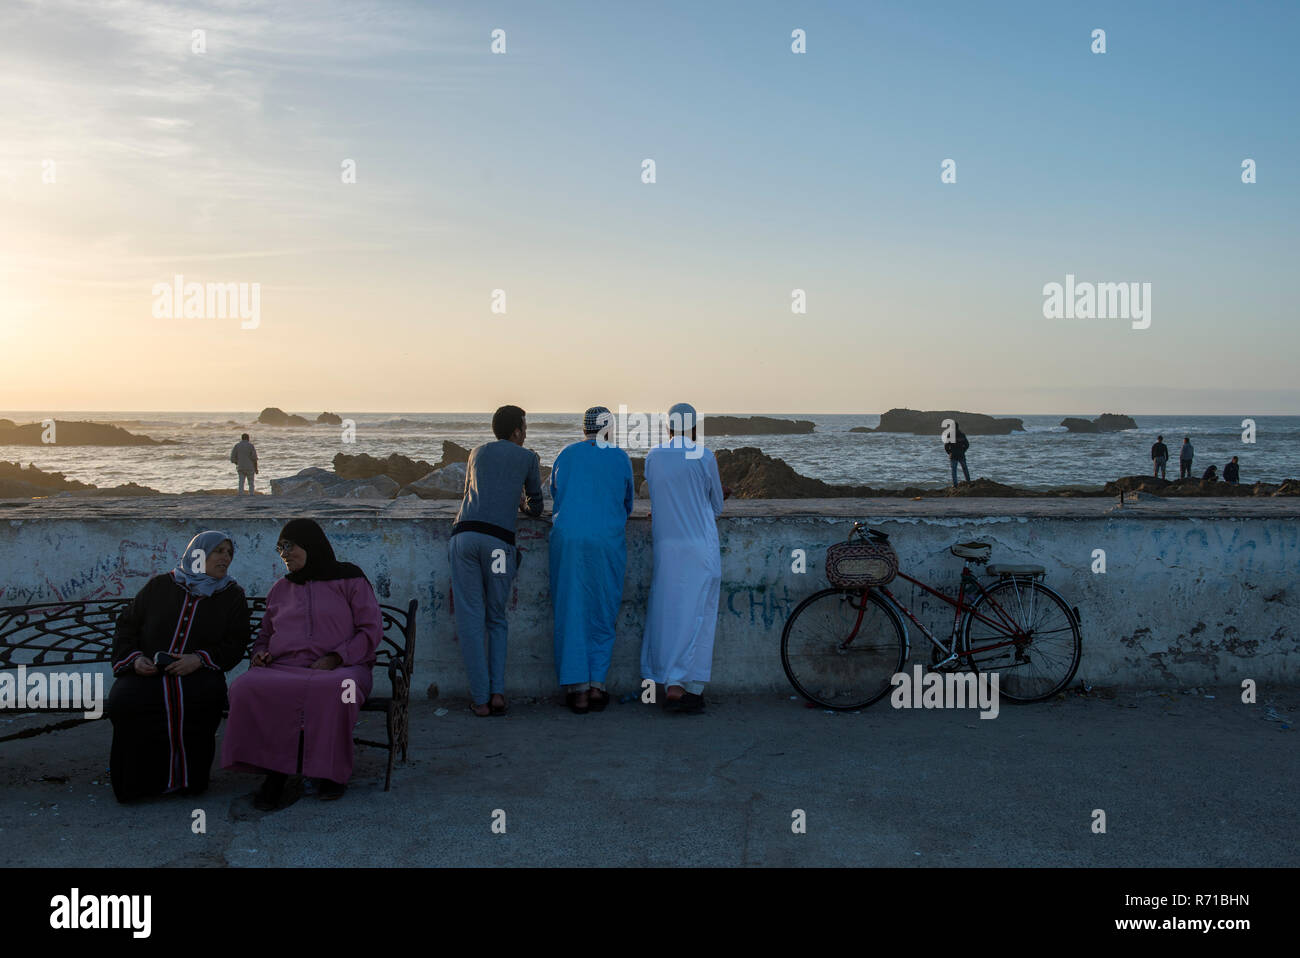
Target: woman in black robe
column 174, row 643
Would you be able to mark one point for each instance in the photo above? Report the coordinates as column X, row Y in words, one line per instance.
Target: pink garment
column 270, row 705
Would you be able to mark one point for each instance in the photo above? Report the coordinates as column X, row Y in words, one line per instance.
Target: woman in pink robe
column 293, row 711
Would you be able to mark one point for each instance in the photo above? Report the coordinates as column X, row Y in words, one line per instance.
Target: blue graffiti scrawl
column 760, row 602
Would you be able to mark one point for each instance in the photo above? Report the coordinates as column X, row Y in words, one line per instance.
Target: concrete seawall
column 1195, row 592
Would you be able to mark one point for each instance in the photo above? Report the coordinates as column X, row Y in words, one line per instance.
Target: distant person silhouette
column 1159, row 456
column 956, row 451
column 1185, row 459
column 1231, row 472
column 1211, row 473
column 244, row 456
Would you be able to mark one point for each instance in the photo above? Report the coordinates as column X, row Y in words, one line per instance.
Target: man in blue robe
column 592, row 492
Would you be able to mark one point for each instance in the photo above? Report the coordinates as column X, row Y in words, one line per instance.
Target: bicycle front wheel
column 1031, row 639
column 840, row 648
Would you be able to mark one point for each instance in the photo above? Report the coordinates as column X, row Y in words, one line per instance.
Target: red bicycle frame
column 1008, row 624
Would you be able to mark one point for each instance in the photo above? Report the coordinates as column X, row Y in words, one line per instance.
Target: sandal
column 597, row 704
column 499, row 709
column 571, row 699
column 475, row 709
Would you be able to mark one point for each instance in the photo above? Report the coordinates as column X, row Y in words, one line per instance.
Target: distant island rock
column 274, row 416
column 930, row 423
column 68, row 433
column 754, row 426
column 330, row 418
column 1106, row 422
column 33, row 483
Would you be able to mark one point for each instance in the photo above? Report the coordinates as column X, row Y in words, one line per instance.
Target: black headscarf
column 321, row 563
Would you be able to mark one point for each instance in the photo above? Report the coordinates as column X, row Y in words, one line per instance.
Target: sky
column 129, row 157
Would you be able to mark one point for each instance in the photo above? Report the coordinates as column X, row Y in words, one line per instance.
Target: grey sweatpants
column 480, row 596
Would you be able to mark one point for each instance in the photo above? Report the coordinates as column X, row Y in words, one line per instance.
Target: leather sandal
column 597, row 704
column 571, row 699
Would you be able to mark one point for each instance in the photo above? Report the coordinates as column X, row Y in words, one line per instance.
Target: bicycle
column 841, row 646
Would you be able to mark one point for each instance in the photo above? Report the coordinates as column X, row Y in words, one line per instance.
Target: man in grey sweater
column 244, row 456
column 483, row 555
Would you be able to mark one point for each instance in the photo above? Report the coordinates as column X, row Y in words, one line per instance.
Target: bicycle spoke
column 1036, row 656
column 840, row 649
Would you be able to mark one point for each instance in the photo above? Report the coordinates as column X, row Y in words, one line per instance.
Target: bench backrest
column 80, row 632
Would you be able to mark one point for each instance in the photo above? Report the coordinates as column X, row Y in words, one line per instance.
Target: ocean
column 1045, row 455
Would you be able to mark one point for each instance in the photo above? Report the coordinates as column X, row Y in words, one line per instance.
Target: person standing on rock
column 956, row 451
column 244, row 456
column 685, row 502
column 1185, row 459
column 1159, row 456
column 483, row 555
column 1231, row 472
column 591, row 495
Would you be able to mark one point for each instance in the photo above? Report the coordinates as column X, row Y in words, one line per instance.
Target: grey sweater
column 495, row 474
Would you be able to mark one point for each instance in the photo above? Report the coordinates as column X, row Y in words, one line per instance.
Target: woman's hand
column 330, row 660
column 187, row 663
column 260, row 658
column 143, row 666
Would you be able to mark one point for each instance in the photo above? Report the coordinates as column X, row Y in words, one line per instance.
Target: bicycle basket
column 857, row 564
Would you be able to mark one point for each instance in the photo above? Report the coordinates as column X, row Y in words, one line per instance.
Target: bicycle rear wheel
column 1033, row 643
column 840, row 647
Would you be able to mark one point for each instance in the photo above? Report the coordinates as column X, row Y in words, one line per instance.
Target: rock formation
column 68, row 433
column 753, row 426
column 330, row 418
column 930, row 423
column 274, row 416
column 1106, row 422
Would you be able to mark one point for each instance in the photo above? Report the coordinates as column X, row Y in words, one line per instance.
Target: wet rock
column 330, row 418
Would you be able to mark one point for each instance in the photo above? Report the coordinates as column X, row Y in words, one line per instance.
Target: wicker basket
column 861, row 563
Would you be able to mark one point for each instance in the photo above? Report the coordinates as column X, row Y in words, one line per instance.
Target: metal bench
column 80, row 632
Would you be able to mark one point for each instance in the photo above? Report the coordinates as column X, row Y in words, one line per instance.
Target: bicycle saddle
column 974, row 551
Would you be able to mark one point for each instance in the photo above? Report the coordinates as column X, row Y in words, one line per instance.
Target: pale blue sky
column 775, row 171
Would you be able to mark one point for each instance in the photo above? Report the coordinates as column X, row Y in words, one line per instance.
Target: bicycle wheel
column 840, row 647
column 1033, row 643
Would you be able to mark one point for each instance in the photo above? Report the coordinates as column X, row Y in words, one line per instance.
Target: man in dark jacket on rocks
column 1159, row 456
column 1231, row 472
column 956, row 451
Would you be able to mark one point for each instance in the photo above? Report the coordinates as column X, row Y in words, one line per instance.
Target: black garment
column 164, row 727
column 1231, row 473
column 957, row 449
column 321, row 563
column 1212, row 473
column 1159, row 451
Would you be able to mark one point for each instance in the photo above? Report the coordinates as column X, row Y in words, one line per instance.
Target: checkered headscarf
column 594, row 419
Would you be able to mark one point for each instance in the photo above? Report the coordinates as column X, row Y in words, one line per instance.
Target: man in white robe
column 685, row 502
